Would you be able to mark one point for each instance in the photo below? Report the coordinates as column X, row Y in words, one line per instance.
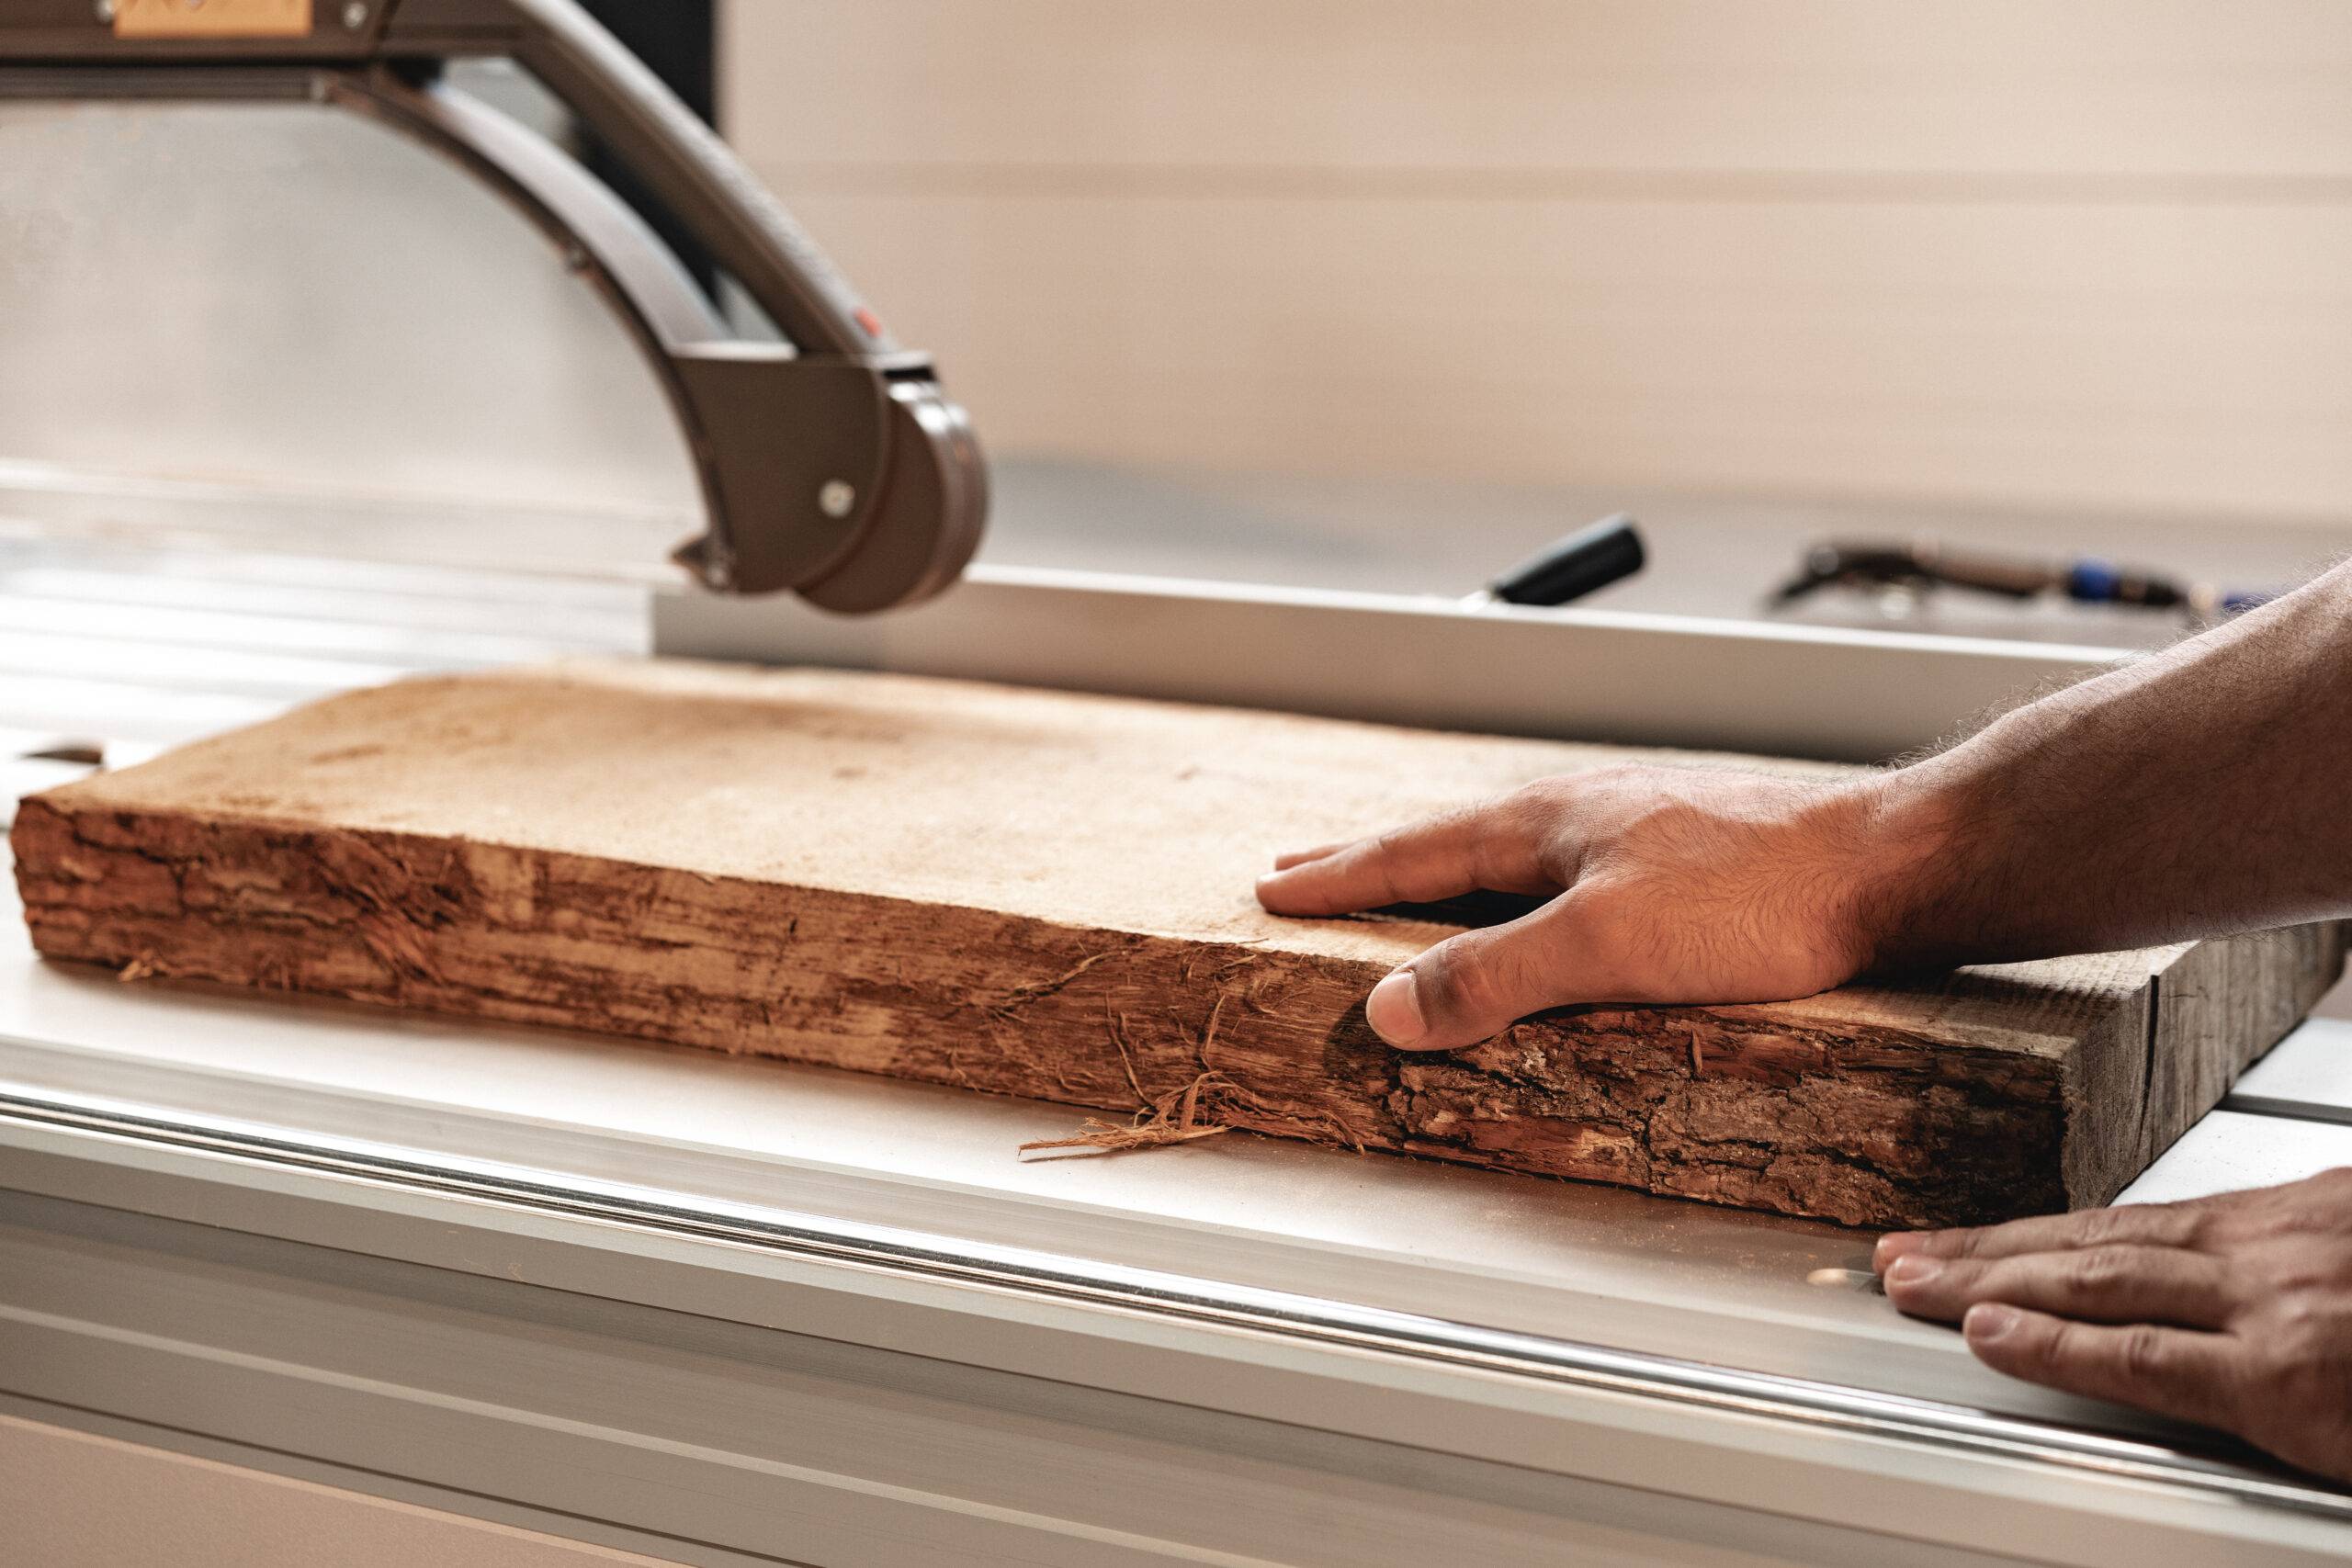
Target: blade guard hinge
column 792, row 451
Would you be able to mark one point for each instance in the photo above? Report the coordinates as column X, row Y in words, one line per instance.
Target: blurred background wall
column 2001, row 251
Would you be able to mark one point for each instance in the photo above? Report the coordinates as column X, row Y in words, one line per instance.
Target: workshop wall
column 1983, row 250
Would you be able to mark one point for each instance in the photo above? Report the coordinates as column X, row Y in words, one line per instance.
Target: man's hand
column 2146, row 805
column 2194, row 793
column 1666, row 885
column 2235, row 1312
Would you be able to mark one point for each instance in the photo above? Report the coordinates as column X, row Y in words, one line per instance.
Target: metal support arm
column 833, row 465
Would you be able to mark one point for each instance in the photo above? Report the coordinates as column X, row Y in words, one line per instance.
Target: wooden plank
column 1049, row 895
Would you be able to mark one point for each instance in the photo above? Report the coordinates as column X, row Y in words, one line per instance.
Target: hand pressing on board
column 2195, row 793
column 2235, row 1312
column 1665, row 885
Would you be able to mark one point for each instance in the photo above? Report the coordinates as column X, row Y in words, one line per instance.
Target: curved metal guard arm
column 835, row 466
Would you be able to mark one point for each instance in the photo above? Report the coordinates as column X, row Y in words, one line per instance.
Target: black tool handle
column 1577, row 564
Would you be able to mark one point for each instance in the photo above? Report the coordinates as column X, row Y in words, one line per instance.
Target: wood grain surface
column 1049, row 895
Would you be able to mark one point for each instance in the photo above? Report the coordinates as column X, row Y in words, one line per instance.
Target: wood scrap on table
column 1048, row 895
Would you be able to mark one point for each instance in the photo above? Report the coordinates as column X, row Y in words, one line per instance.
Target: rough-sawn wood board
column 1048, row 895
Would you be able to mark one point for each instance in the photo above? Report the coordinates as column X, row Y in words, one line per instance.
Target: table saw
column 721, row 1311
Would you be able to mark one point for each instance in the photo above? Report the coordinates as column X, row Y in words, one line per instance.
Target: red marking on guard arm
column 870, row 322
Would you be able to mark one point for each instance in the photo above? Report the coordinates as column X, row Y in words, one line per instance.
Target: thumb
column 1476, row 985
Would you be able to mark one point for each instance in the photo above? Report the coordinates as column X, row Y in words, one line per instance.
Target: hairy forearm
column 2197, row 792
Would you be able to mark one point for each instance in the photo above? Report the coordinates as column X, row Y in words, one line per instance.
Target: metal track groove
column 1105, row 1286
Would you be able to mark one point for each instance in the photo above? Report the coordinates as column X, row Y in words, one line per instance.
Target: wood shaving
column 1100, row 1137
column 1173, row 1118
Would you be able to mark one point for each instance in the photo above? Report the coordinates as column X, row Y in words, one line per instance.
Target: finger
column 1443, row 857
column 2136, row 1224
column 1476, row 985
column 2173, row 1371
column 1300, row 857
column 2099, row 1284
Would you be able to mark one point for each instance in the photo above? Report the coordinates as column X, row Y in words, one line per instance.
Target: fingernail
column 1394, row 1009
column 1987, row 1321
column 1911, row 1269
column 1891, row 1245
